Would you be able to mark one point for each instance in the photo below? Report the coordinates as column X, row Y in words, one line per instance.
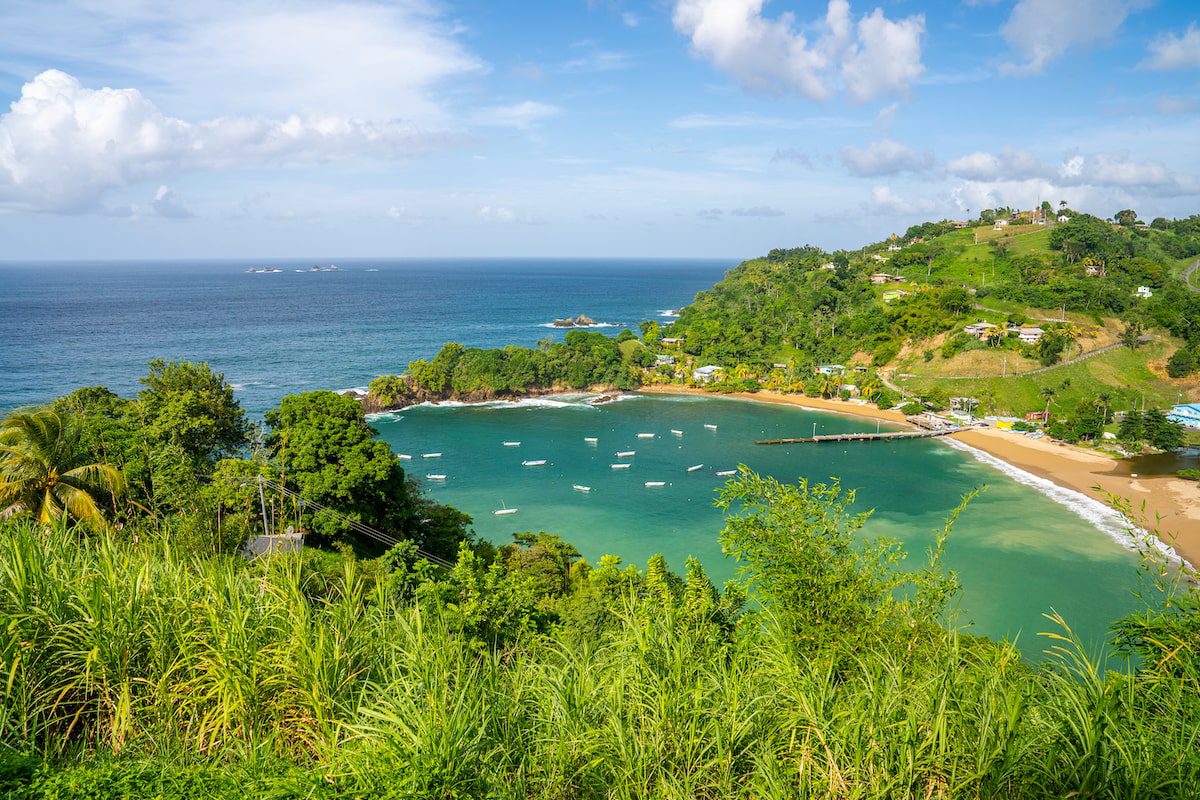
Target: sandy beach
column 1163, row 503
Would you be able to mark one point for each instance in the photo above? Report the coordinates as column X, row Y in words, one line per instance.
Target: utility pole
column 262, row 498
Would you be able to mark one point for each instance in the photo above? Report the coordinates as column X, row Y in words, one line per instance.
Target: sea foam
column 1116, row 525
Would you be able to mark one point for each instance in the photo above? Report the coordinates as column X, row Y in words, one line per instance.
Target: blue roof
column 1192, row 407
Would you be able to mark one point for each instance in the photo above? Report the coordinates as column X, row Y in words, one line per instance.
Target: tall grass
column 133, row 671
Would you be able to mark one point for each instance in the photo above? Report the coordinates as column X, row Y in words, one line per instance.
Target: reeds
column 184, row 669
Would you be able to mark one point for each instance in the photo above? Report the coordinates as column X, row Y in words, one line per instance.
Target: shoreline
column 1171, row 505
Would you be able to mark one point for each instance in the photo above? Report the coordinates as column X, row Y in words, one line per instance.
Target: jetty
column 926, row 429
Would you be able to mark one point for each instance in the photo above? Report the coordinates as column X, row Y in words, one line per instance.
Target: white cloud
column 496, row 214
column 166, row 204
column 1009, row 163
column 62, row 145
column 1041, row 31
column 251, row 57
column 630, row 19
column 885, row 157
column 1175, row 52
column 885, row 202
column 872, row 57
column 758, row 211
column 523, row 115
column 793, row 155
column 1169, row 104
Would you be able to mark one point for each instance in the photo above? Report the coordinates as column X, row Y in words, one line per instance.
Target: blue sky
column 577, row 127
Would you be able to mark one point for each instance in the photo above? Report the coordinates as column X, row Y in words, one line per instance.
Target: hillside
column 1067, row 299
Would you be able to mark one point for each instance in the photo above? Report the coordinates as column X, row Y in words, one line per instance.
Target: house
column 705, row 374
column 671, row 342
column 1029, row 334
column 894, row 248
column 1094, row 270
column 1004, row 423
column 1036, row 416
column 1144, row 292
column 1001, row 223
column 849, row 388
column 878, row 257
column 959, row 224
column 917, row 240
column 779, row 366
column 883, row 277
column 980, row 330
column 830, row 369
column 1187, row 415
column 662, row 360
column 1063, row 218
column 894, row 294
column 828, row 266
column 963, row 403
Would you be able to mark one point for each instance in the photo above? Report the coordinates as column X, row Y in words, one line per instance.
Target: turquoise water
column 1019, row 554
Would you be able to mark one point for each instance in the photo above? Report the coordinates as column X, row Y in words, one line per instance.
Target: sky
column 666, row 128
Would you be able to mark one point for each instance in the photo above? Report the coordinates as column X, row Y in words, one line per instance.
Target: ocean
column 1022, row 549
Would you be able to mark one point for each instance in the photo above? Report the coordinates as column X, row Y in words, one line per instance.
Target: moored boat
column 677, row 433
column 710, row 427
column 590, row 439
column 431, row 455
column 653, row 484
column 646, row 435
column 541, row 462
column 626, row 453
column 579, row 488
column 696, row 468
column 436, row 477
column 727, row 472
column 620, row 466
column 511, row 444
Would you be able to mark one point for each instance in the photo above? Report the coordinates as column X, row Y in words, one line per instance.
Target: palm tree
column 1104, row 398
column 41, row 471
column 1047, row 392
column 869, row 387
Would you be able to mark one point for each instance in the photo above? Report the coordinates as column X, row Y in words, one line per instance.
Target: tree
column 1126, row 217
column 1181, row 363
column 1160, row 432
column 651, row 330
column 1132, row 430
column 1048, row 393
column 42, row 472
column 188, row 405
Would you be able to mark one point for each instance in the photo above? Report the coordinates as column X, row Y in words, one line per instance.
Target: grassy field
column 1122, row 373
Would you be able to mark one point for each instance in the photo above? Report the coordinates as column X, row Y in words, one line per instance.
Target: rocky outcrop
column 581, row 321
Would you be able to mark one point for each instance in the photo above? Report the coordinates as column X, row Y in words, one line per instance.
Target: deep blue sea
column 1023, row 549
column 65, row 325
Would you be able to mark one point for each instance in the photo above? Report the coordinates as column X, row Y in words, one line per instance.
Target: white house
column 1187, row 415
column 828, row 266
column 671, row 341
column 979, row 330
column 1001, row 223
column 1063, row 218
column 705, row 374
column 894, row 294
column 893, row 248
column 830, row 369
column 1144, row 292
column 1029, row 334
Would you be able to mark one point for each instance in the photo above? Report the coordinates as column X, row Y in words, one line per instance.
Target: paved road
column 1187, row 276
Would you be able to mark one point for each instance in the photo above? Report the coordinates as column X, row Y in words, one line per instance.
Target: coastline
column 1170, row 505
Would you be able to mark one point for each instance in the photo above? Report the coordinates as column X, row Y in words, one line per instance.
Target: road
column 1187, row 276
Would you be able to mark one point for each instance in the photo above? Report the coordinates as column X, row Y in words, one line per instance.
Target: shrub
column 1181, row 363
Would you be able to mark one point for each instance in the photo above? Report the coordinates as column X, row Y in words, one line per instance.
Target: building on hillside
column 671, row 342
column 1144, row 292
column 705, row 374
column 894, row 294
column 894, row 248
column 1029, row 334
column 1063, row 218
column 1001, row 223
column 830, row 369
column 883, row 277
column 1094, row 270
column 1187, row 415
column 1036, row 416
column 959, row 224
column 917, row 240
column 980, row 330
column 878, row 257
column 663, row 360
column 849, row 388
column 828, row 266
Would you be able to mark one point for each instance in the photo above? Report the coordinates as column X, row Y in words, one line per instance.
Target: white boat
column 500, row 512
column 541, row 462
column 727, row 472
column 696, row 468
column 626, row 453
column 677, row 433
column 656, row 483
column 511, row 444
column 579, row 488
column 432, row 455
column 646, row 435
column 405, row 457
column 710, row 427
column 436, row 477
column 620, row 466
column 590, row 439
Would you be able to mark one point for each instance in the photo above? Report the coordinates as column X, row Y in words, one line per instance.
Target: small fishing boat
column 620, row 466
column 696, row 468
column 511, row 444
column 727, row 472
column 541, row 462
column 655, row 483
column 710, row 427
column 436, row 477
column 405, row 457
column 432, row 455
column 646, row 435
column 626, row 453
column 579, row 488
column 677, row 433
column 590, row 439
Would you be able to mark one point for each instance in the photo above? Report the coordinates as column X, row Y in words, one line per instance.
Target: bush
column 1189, row 474
column 1181, row 363
column 912, row 407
